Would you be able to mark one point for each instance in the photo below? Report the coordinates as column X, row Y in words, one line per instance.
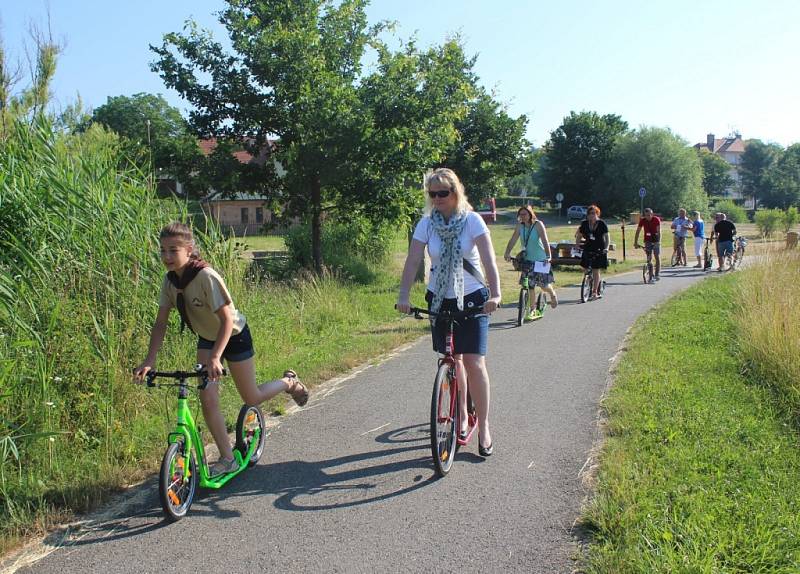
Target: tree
column 156, row 132
column 782, row 180
column 348, row 142
column 491, row 147
column 30, row 102
column 757, row 158
column 716, row 174
column 577, row 154
column 662, row 163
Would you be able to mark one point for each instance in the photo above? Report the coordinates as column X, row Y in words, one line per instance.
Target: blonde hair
column 446, row 176
column 182, row 232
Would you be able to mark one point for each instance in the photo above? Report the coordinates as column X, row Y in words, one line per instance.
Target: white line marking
column 373, row 430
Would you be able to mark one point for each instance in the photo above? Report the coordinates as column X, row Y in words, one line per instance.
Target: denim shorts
column 239, row 347
column 652, row 247
column 724, row 248
column 472, row 334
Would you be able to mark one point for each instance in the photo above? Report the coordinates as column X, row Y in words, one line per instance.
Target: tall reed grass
column 769, row 324
column 78, row 273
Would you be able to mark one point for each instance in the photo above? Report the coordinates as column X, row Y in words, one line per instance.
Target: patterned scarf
column 189, row 272
column 451, row 269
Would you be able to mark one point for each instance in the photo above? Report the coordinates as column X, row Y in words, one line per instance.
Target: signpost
column 642, row 193
column 559, row 199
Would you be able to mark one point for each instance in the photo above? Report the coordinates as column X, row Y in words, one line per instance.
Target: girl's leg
column 552, row 293
column 461, row 376
column 209, row 400
column 244, row 376
column 478, row 378
column 596, row 281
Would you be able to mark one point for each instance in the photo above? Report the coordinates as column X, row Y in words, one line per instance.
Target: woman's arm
column 543, row 236
column 157, row 334
column 223, row 336
column 416, row 251
column 486, row 251
column 511, row 242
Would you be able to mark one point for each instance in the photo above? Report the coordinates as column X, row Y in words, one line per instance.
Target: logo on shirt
column 196, row 302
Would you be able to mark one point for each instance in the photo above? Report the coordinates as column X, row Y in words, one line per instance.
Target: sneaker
column 658, row 277
column 223, row 466
column 652, row 280
column 698, row 266
column 533, row 314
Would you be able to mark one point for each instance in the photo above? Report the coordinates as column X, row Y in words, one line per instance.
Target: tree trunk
column 316, row 223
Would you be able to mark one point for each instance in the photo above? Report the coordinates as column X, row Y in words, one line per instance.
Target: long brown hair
column 182, row 232
column 530, row 211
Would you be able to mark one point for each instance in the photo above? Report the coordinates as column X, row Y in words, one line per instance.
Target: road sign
column 559, row 197
column 642, row 192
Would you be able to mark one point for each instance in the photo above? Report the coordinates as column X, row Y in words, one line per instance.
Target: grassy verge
column 699, row 469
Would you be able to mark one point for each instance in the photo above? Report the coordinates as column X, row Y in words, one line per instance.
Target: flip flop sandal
column 297, row 390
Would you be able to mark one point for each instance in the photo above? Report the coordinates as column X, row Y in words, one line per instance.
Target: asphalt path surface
column 347, row 483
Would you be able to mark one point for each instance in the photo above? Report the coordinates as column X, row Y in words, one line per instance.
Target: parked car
column 577, row 212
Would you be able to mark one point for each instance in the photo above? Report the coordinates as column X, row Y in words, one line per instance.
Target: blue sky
column 696, row 67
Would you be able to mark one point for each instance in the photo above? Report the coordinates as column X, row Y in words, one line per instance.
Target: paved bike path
column 347, row 484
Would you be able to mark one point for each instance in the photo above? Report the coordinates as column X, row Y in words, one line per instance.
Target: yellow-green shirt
column 204, row 296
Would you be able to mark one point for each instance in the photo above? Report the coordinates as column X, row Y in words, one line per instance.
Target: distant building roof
column 238, row 196
column 733, row 144
column 208, row 145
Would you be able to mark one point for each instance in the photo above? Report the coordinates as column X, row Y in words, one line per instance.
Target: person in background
column 724, row 231
column 698, row 230
column 536, row 247
column 651, row 224
column 593, row 235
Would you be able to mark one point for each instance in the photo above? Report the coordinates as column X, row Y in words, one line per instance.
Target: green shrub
column 349, row 248
column 768, row 221
column 735, row 213
column 790, row 219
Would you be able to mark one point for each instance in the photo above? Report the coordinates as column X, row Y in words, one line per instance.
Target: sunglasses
column 441, row 193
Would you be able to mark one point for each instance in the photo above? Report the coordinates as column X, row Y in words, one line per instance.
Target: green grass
column 262, row 243
column 699, row 469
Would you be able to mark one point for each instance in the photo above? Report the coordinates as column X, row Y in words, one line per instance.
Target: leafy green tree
column 491, row 147
column 577, row 155
column 662, row 163
column 716, row 174
column 155, row 131
column 757, row 158
column 782, row 180
column 349, row 142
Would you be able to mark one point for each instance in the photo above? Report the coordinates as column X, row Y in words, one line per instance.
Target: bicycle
column 678, row 253
column 648, row 273
column 445, row 420
column 588, row 281
column 524, row 267
column 739, row 244
column 708, row 257
column 178, row 478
